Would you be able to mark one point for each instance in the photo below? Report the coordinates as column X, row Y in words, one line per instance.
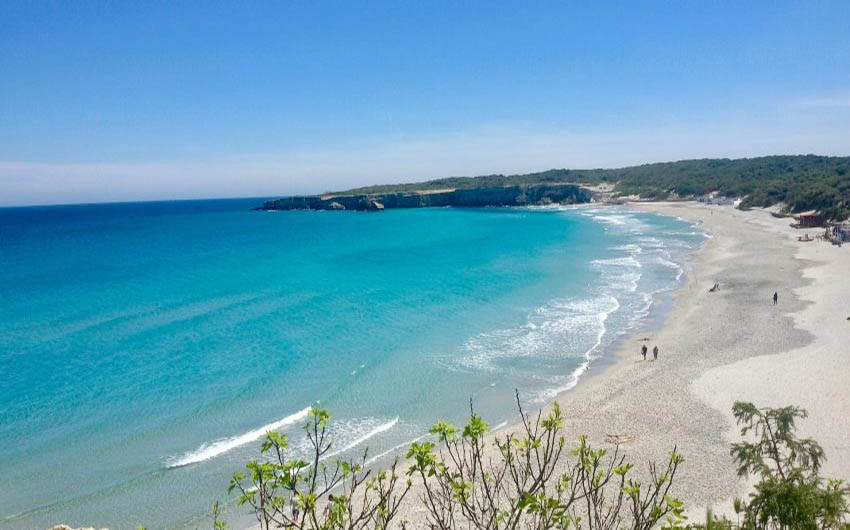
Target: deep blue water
column 144, row 347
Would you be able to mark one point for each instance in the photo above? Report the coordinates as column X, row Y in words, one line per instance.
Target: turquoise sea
column 146, row 347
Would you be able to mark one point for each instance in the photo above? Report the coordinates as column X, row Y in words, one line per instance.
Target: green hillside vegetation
column 799, row 183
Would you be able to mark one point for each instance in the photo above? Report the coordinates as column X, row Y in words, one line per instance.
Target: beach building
column 721, row 200
column 841, row 232
column 810, row 220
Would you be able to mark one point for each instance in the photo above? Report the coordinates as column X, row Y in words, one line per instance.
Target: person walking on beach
column 643, row 351
column 655, row 353
column 775, row 298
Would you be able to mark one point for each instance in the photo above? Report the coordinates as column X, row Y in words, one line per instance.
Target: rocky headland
column 518, row 195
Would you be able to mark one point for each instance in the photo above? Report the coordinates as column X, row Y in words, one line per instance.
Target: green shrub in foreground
column 534, row 481
column 460, row 484
column 790, row 494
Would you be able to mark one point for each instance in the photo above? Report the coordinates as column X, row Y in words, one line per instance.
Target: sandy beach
column 719, row 347
column 728, row 345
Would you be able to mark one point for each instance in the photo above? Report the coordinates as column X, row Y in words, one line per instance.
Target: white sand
column 741, row 347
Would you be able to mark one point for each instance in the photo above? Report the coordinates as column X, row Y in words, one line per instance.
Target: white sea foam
column 554, row 207
column 550, row 327
column 621, row 276
column 620, row 222
column 621, row 273
column 669, row 264
column 613, row 219
column 625, row 261
column 589, row 355
column 563, row 328
column 652, row 242
column 630, row 248
column 624, row 282
column 219, row 447
column 359, row 440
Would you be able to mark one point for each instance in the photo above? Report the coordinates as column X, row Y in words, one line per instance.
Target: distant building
column 810, row 220
column 841, row 232
column 718, row 200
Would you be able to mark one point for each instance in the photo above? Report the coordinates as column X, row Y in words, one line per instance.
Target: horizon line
column 270, row 196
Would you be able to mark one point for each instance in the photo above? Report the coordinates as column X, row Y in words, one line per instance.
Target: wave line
column 219, row 447
column 374, row 432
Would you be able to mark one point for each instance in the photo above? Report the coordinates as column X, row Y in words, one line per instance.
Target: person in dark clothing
column 643, row 351
column 655, row 353
column 775, row 298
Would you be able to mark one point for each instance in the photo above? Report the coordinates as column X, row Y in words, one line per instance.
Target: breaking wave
column 362, row 438
column 548, row 329
column 219, row 447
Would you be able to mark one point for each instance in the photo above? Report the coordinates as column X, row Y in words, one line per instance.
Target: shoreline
column 609, row 375
column 716, row 348
column 719, row 347
column 725, row 346
column 597, row 366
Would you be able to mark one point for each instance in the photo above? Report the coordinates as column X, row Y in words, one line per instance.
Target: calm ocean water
column 145, row 348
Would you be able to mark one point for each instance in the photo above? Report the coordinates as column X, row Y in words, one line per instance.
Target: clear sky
column 144, row 100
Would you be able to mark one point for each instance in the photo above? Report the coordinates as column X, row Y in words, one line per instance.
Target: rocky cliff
column 520, row 195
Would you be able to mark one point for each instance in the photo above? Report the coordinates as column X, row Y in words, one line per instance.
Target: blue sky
column 144, row 100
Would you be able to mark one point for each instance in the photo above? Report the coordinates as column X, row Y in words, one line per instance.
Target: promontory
column 516, row 195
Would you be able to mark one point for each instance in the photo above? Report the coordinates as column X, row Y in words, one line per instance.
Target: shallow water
column 145, row 348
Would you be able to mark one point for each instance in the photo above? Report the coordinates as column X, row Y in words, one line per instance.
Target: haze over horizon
column 142, row 102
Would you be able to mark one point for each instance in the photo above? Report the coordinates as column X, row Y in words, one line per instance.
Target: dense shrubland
column 799, row 182
column 536, row 479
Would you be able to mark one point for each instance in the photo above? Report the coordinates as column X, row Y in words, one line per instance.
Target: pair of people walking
column 643, row 351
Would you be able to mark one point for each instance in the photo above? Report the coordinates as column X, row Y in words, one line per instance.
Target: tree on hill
column 800, row 183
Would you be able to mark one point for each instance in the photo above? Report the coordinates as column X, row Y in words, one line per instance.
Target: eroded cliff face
column 463, row 198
